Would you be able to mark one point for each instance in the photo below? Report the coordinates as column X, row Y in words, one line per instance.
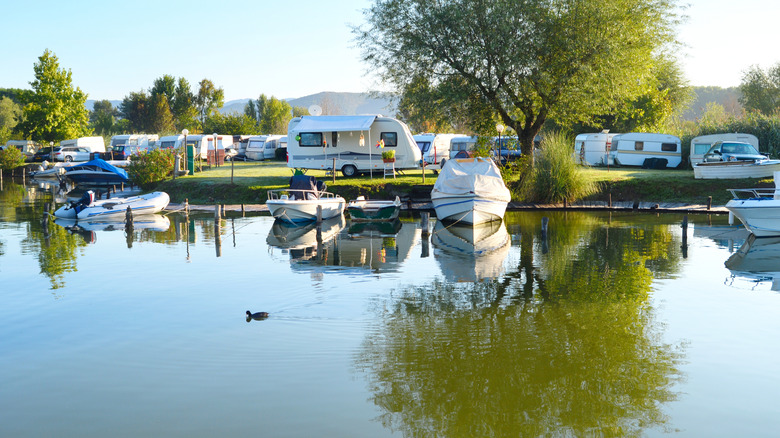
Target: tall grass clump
column 555, row 175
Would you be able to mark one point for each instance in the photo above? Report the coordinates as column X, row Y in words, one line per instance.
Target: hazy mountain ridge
column 364, row 103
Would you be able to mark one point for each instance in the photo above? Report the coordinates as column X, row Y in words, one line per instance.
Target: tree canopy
column 526, row 60
column 761, row 89
column 53, row 110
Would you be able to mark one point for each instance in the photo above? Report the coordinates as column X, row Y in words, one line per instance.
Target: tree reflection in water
column 566, row 345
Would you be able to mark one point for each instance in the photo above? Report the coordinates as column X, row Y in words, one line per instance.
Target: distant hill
column 363, row 103
column 332, row 103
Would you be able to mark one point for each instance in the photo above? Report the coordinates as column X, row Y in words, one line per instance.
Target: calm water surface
column 612, row 325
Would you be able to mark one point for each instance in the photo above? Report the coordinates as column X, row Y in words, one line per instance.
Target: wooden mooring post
column 424, row 224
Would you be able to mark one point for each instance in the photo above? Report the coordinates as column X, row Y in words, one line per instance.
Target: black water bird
column 258, row 316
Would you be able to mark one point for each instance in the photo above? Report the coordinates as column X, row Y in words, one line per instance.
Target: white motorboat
column 89, row 208
column 758, row 209
column 470, row 191
column 301, row 202
column 736, row 169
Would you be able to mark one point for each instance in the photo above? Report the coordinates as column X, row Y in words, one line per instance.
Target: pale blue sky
column 291, row 49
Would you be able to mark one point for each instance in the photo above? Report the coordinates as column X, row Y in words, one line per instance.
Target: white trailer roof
column 334, row 123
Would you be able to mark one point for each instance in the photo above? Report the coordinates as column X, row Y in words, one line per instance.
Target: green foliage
column 10, row 113
column 555, row 175
column 273, row 114
column 761, row 90
column 53, row 110
column 231, row 124
column 149, row 168
column 565, row 60
column 161, row 118
column 208, row 100
column 11, row 158
column 103, row 117
column 388, row 154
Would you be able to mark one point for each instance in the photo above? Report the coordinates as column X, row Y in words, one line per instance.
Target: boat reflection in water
column 88, row 229
column 758, row 260
column 469, row 253
column 363, row 248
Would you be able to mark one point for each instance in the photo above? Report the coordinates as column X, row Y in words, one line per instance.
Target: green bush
column 555, row 175
column 11, row 158
column 149, row 168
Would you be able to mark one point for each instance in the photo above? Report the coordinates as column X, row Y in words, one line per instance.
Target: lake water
column 611, row 325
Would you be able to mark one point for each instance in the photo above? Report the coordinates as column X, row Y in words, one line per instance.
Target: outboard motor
column 86, row 200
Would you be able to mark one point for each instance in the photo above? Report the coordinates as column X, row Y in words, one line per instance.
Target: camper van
column 647, row 150
column 263, row 147
column 700, row 145
column 594, row 149
column 355, row 143
column 436, row 148
column 92, row 144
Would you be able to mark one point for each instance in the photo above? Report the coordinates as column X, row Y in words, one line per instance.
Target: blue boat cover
column 101, row 164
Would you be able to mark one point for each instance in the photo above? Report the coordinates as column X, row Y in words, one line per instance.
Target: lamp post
column 607, row 145
column 500, row 129
column 184, row 132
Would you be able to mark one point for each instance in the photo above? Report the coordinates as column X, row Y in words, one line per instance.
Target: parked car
column 123, row 152
column 71, row 153
column 732, row 151
column 44, row 154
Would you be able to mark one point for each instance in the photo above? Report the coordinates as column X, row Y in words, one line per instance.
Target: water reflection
column 471, row 253
column 758, row 261
column 563, row 343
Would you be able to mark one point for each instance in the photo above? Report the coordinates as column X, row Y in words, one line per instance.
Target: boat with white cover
column 300, row 203
column 757, row 209
column 90, row 208
column 736, row 169
column 470, row 191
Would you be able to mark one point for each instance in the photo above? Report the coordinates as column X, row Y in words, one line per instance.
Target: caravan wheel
column 349, row 170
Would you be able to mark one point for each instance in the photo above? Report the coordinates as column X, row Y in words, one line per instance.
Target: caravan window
column 669, row 147
column 424, row 146
column 390, row 139
column 310, row 139
column 167, row 144
column 701, row 148
column 639, row 145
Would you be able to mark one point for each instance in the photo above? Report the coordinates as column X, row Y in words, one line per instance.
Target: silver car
column 732, row 151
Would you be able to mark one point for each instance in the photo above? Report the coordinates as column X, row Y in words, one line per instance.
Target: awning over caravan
column 334, row 123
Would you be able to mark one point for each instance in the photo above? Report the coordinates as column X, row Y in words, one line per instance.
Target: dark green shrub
column 149, row 168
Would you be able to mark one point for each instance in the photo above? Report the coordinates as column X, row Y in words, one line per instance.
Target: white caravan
column 701, row 144
column 145, row 140
column 204, row 143
column 263, row 147
column 594, row 149
column 436, row 148
column 170, row 141
column 92, row 144
column 355, row 143
column 647, row 150
column 462, row 145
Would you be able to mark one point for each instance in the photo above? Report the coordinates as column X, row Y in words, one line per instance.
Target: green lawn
column 250, row 181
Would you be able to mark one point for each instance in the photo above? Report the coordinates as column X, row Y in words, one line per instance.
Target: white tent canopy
column 335, row 123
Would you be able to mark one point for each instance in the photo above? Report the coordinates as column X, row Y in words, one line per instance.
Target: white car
column 71, row 153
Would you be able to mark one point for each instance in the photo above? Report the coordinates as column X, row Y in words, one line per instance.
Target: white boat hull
column 468, row 209
column 736, row 169
column 305, row 210
column 760, row 216
column 148, row 203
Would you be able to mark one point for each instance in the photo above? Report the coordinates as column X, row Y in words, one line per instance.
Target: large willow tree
column 527, row 60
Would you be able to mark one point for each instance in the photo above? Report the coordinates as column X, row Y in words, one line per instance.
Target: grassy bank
column 251, row 181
